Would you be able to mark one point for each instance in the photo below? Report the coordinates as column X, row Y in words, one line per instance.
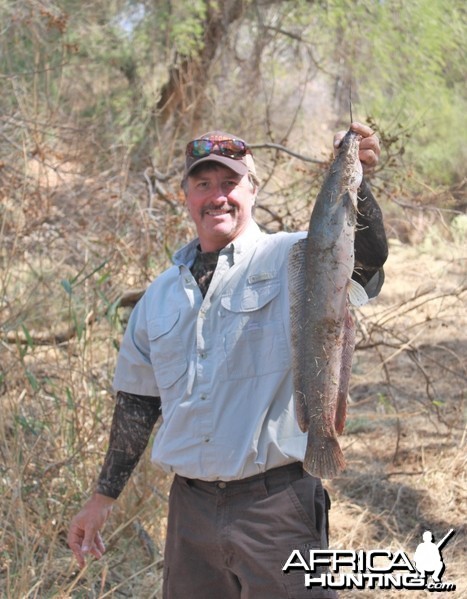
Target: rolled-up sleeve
column 134, row 372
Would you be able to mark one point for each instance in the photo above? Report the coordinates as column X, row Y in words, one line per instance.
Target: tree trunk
column 184, row 92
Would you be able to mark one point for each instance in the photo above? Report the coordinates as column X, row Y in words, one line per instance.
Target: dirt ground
column 405, row 439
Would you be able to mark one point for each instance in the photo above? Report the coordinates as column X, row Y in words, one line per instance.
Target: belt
column 272, row 478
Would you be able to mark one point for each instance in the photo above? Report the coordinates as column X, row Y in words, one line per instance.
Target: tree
column 143, row 75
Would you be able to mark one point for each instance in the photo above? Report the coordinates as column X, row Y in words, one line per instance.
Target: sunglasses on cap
column 230, row 148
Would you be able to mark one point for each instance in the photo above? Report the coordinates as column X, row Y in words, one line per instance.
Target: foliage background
column 98, row 100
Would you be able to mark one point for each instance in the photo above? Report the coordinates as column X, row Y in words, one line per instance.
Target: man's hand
column 84, row 536
column 369, row 146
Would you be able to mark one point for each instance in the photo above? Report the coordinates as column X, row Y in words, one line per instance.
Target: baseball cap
column 236, row 155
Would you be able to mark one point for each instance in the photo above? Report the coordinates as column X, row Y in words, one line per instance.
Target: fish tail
column 324, row 458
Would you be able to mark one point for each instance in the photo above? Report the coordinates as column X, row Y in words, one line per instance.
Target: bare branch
column 46, row 338
column 282, row 148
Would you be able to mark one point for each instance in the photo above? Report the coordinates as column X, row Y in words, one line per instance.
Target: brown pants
column 230, row 540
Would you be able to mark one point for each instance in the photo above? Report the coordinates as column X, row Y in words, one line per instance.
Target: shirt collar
column 187, row 254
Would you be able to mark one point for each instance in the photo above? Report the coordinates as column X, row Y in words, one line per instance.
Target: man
column 209, row 345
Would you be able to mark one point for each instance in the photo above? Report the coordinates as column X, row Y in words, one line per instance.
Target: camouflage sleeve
column 371, row 246
column 132, row 423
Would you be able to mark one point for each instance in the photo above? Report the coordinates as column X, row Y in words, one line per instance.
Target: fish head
column 347, row 155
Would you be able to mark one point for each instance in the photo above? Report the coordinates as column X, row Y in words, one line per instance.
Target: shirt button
column 222, row 485
column 202, row 355
column 203, row 396
column 206, row 439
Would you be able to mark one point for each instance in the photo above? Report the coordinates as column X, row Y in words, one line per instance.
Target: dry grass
column 406, row 432
column 67, row 254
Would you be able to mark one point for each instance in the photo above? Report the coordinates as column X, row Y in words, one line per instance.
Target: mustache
column 226, row 207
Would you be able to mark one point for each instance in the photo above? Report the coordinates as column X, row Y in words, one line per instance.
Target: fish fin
column 357, row 295
column 341, row 413
column 301, row 411
column 296, row 273
column 323, row 457
column 348, row 344
column 373, row 287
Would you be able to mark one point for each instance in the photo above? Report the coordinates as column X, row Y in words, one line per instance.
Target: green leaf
column 29, row 339
column 67, row 286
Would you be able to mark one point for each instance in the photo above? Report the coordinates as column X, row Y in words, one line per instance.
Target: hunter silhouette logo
column 374, row 569
column 428, row 558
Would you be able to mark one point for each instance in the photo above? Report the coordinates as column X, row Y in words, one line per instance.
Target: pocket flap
column 251, row 298
column 162, row 325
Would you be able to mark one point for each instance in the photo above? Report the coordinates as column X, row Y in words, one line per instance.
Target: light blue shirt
column 222, row 364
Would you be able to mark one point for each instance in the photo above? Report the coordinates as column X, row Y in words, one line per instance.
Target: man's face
column 220, row 203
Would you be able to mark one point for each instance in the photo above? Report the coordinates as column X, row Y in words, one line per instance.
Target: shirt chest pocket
column 255, row 343
column 168, row 355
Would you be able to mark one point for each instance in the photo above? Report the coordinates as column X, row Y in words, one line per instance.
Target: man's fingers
column 92, row 542
column 84, row 537
column 74, row 543
column 100, row 543
column 371, row 143
column 78, row 556
column 95, row 551
column 96, row 547
column 369, row 150
column 368, row 158
column 83, row 542
column 364, row 130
